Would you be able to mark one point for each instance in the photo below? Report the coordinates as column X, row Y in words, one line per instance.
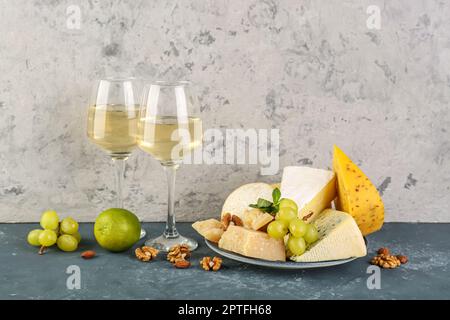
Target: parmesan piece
column 210, row 229
column 251, row 243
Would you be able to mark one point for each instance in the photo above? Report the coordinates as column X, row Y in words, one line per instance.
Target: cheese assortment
column 297, row 223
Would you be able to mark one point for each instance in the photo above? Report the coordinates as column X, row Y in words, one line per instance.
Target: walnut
column 402, row 259
column 226, row 219
column 237, row 221
column 213, row 264
column 146, row 253
column 385, row 261
column 178, row 252
column 384, row 251
column 182, row 264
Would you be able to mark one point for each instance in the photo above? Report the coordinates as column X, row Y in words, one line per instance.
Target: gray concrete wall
column 313, row 69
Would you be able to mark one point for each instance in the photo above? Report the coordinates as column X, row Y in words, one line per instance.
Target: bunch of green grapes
column 286, row 222
column 65, row 233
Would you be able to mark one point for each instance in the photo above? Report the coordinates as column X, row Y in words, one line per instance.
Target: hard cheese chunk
column 251, row 243
column 339, row 238
column 210, row 229
column 238, row 201
column 357, row 195
column 255, row 219
column 312, row 189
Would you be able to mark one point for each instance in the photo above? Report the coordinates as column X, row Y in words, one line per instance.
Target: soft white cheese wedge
column 312, row 189
column 339, row 238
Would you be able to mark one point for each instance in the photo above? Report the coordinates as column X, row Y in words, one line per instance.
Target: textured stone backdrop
column 311, row 68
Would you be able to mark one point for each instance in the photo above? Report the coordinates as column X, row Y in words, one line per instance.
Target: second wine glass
column 169, row 128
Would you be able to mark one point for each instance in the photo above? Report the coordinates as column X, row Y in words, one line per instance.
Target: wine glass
column 169, row 128
column 112, row 123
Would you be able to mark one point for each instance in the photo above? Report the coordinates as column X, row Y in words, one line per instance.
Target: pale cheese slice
column 255, row 219
column 251, row 243
column 339, row 238
column 237, row 202
column 312, row 189
column 210, row 229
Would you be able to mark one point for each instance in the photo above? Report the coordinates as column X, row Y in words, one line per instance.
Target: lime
column 117, row 229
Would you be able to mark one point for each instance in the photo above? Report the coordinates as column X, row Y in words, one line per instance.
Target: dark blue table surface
column 27, row 275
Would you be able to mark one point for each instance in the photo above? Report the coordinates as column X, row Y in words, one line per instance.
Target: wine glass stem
column 171, row 230
column 119, row 164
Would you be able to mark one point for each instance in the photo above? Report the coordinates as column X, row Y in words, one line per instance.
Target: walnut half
column 386, row 261
column 213, row 264
column 179, row 252
column 146, row 253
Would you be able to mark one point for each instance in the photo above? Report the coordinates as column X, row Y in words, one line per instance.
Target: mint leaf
column 268, row 206
column 263, row 203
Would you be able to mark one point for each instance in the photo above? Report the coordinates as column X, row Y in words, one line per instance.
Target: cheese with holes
column 356, row 194
column 251, row 243
column 339, row 238
column 312, row 189
column 237, row 202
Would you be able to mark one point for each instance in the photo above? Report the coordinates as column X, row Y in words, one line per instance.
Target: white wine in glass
column 112, row 124
column 169, row 128
column 167, row 140
column 113, row 128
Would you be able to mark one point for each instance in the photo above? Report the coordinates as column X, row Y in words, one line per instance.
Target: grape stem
column 42, row 250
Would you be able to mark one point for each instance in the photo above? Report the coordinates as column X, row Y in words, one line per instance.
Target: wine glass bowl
column 169, row 128
column 112, row 117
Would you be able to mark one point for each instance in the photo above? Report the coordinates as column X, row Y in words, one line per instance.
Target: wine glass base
column 143, row 234
column 164, row 244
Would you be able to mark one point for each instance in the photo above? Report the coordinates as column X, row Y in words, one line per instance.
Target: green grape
column 77, row 236
column 33, row 237
column 288, row 203
column 287, row 214
column 296, row 245
column 311, row 235
column 298, row 227
column 67, row 243
column 69, row 226
column 47, row 238
column 50, row 220
column 277, row 229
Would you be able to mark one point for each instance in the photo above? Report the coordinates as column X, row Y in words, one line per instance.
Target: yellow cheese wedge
column 251, row 243
column 312, row 189
column 356, row 194
column 339, row 238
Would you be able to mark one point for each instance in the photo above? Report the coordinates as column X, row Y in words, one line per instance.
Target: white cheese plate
column 275, row 264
